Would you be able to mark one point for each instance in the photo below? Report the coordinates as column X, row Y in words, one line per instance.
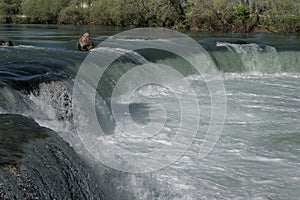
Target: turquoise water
column 256, row 156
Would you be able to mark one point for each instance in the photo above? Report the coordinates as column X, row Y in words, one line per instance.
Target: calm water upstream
column 256, row 157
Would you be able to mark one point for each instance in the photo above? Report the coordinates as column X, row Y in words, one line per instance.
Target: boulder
column 85, row 42
column 6, row 43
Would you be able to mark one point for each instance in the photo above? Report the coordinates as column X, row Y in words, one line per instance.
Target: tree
column 282, row 16
column 211, row 15
column 43, row 11
column 71, row 15
column 10, row 8
column 165, row 13
column 242, row 12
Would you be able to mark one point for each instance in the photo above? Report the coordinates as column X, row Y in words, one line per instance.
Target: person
column 6, row 43
column 85, row 42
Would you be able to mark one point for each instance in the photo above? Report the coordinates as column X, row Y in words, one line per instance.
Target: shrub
column 71, row 15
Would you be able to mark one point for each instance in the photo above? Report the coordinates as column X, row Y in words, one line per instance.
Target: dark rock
column 85, row 42
column 6, row 43
column 233, row 42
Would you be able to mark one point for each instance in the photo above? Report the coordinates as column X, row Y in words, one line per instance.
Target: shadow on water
column 35, row 163
column 15, row 131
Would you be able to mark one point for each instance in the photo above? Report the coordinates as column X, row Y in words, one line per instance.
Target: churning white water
column 255, row 157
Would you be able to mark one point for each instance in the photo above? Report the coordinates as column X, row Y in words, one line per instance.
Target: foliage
column 43, row 11
column 165, row 13
column 282, row 16
column 212, row 15
column 9, row 8
column 242, row 12
column 71, row 15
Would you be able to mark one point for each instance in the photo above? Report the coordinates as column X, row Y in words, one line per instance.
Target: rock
column 85, row 42
column 233, row 42
column 6, row 43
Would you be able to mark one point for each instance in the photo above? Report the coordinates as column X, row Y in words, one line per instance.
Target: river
column 256, row 139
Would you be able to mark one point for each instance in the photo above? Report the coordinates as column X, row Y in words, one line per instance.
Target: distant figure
column 85, row 42
column 257, row 19
column 6, row 43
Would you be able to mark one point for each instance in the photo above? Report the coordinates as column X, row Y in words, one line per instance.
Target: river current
column 255, row 156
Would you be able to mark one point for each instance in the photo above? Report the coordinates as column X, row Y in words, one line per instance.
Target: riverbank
column 217, row 15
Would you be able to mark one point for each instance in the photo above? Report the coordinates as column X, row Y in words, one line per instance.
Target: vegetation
column 282, row 16
column 212, row 15
column 9, row 9
column 43, row 11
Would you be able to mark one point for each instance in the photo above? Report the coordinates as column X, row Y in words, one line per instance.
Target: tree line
column 208, row 15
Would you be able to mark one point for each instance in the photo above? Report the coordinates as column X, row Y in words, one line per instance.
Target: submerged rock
column 232, row 42
column 85, row 42
column 6, row 43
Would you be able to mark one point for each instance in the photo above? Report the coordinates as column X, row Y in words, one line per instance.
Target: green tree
column 138, row 13
column 211, row 15
column 9, row 9
column 78, row 12
column 242, row 12
column 71, row 15
column 282, row 16
column 43, row 11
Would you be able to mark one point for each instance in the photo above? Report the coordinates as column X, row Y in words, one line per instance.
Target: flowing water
column 256, row 156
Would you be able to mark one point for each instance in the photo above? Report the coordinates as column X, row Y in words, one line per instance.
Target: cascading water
column 255, row 58
column 256, row 156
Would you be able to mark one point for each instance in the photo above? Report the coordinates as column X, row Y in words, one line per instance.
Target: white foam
column 3, row 111
column 265, row 159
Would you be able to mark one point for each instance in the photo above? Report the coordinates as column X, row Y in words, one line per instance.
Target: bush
column 9, row 9
column 71, row 15
column 43, row 11
column 242, row 12
column 282, row 16
column 213, row 15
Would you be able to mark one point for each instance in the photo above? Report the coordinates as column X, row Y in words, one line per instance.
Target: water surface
column 257, row 155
